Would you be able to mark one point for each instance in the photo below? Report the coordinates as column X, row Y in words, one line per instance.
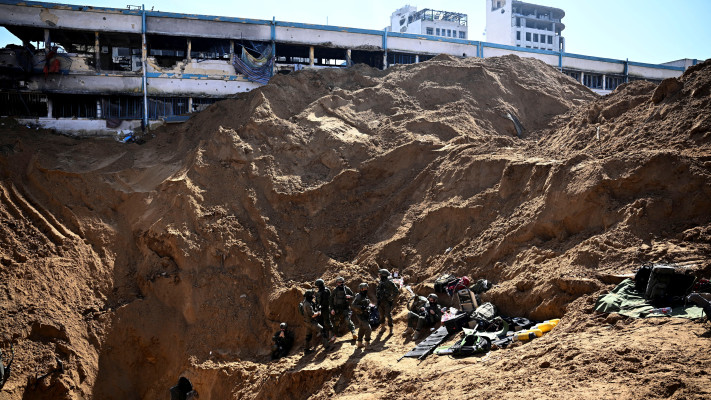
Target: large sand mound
column 135, row 264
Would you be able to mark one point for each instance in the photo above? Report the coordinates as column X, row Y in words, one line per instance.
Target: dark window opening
column 612, row 81
column 200, row 104
column 401, row 58
column 27, row 105
column 593, row 81
column 74, row 106
column 573, row 74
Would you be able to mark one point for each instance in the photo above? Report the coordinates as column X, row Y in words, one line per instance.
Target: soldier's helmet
column 363, row 286
column 282, row 325
column 432, row 296
column 309, row 294
column 320, row 283
column 340, row 280
column 384, row 272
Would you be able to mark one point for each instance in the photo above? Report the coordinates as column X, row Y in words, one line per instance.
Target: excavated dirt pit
column 136, row 264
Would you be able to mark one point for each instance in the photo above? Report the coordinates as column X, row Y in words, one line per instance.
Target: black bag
column 641, row 278
column 456, row 323
column 441, row 283
column 668, row 284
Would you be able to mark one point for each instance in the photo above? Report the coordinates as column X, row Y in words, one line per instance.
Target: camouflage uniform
column 360, row 307
column 386, row 293
column 283, row 340
column 323, row 302
column 427, row 317
column 340, row 306
column 312, row 326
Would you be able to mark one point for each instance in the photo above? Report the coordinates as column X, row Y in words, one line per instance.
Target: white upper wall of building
column 516, row 23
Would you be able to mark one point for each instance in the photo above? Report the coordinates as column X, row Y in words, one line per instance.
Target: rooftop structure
column 527, row 25
column 429, row 22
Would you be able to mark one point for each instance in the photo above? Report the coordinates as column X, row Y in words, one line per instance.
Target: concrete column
column 46, row 41
column 582, row 74
column 49, row 107
column 99, row 111
column 190, row 105
column 349, row 62
column 417, row 58
column 603, row 81
column 385, row 60
column 311, row 55
column 97, row 51
column 190, row 49
column 232, row 51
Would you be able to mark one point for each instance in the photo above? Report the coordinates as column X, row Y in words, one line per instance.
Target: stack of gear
column 658, row 290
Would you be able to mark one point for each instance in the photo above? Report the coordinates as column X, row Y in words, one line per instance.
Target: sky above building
column 651, row 31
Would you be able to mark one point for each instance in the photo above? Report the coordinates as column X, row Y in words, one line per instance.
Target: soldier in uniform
column 341, row 297
column 386, row 293
column 428, row 316
column 310, row 322
column 361, row 308
column 283, row 340
column 323, row 303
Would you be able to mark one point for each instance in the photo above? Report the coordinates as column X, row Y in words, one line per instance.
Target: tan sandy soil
column 136, row 264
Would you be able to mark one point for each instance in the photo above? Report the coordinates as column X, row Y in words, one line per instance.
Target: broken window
column 550, row 39
column 528, row 36
column 437, row 31
column 462, row 35
column 535, row 37
column 166, row 50
column 210, row 49
column 200, row 104
column 429, row 31
column 120, row 52
column 518, row 35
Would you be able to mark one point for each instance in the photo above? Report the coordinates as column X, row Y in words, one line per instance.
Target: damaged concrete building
column 93, row 70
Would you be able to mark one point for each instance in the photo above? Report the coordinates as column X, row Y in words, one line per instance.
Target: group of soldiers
column 326, row 312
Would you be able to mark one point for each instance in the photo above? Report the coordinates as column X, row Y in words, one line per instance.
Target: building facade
column 91, row 70
column 519, row 24
column 429, row 22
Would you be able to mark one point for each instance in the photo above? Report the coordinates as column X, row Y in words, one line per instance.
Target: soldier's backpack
column 471, row 344
column 416, row 303
column 373, row 316
column 443, row 282
column 486, row 311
